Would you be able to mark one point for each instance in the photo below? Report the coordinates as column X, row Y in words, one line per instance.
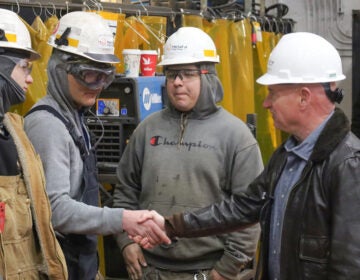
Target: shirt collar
column 305, row 148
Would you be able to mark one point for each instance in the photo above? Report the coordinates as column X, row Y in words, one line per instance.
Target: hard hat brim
column 268, row 79
column 186, row 60
column 104, row 58
column 33, row 55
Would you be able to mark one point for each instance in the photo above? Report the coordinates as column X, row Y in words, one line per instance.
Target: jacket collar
column 333, row 133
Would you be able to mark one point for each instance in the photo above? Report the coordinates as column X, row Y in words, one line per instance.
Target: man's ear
column 305, row 96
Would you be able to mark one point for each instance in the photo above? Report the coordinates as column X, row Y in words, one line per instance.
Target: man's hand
column 147, row 219
column 134, row 260
column 149, row 225
column 155, row 216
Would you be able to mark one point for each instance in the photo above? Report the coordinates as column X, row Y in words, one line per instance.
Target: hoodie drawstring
column 183, row 122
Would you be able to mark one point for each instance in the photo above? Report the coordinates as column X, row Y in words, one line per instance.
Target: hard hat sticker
column 105, row 42
column 209, row 53
column 11, row 37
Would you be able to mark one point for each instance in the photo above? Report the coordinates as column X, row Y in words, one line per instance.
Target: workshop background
column 244, row 31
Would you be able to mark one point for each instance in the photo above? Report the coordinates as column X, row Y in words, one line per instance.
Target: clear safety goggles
column 92, row 76
column 25, row 65
column 184, row 74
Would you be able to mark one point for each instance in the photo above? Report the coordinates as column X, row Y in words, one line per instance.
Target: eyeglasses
column 184, row 74
column 92, row 76
column 25, row 65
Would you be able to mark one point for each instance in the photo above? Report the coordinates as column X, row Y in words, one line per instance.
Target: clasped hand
column 145, row 228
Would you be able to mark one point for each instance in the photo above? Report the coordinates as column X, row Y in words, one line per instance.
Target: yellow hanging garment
column 192, row 20
column 39, row 33
column 156, row 29
column 266, row 135
column 219, row 32
column 45, row 49
column 241, row 62
column 135, row 34
column 119, row 42
column 270, row 40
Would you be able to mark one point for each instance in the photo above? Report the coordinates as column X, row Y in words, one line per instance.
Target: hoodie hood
column 58, row 85
column 10, row 91
column 211, row 93
column 58, row 90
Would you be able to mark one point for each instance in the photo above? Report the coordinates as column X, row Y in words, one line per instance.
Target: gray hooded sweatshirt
column 177, row 162
column 62, row 161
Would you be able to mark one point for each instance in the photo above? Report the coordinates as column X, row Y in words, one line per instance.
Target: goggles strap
column 2, row 35
column 63, row 41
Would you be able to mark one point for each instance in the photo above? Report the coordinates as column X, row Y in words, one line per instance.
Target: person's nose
column 29, row 79
column 267, row 102
column 178, row 79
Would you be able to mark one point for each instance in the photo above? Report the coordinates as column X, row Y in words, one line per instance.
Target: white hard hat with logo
column 189, row 45
column 303, row 57
column 14, row 34
column 85, row 34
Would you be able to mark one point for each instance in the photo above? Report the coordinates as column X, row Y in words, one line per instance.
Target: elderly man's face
column 282, row 102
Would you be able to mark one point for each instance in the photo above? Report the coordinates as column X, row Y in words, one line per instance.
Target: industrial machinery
column 118, row 110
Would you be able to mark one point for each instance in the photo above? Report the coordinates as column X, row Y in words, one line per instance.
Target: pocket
column 18, row 242
column 315, row 248
column 18, row 218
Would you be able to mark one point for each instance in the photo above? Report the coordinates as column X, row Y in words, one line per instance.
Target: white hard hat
column 302, row 57
column 85, row 34
column 17, row 36
column 189, row 45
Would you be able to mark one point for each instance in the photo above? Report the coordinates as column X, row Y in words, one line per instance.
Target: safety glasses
column 25, row 65
column 184, row 74
column 92, row 76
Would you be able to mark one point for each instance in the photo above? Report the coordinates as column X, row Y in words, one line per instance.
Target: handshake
column 147, row 228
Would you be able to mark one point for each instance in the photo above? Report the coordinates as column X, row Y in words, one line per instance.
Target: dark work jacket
column 320, row 235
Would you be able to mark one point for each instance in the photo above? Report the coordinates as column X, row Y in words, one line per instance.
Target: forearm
column 224, row 217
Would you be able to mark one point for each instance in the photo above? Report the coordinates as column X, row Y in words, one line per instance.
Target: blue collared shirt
column 297, row 157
